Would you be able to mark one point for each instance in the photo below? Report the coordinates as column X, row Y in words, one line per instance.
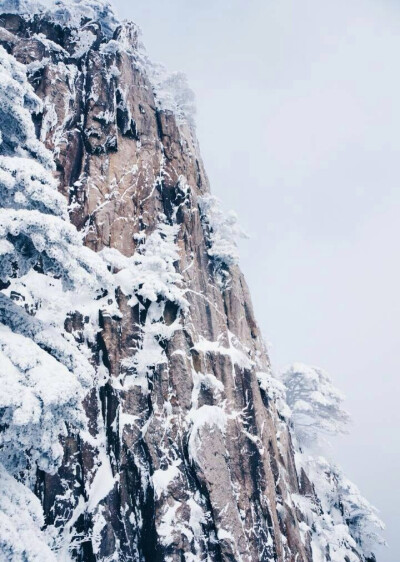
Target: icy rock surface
column 144, row 421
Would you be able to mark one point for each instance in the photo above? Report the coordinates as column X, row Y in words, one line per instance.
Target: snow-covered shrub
column 32, row 239
column 172, row 92
column 47, row 336
column 316, row 405
column 341, row 522
column 221, row 232
column 150, row 273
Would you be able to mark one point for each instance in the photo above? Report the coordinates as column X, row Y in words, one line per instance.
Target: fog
column 298, row 121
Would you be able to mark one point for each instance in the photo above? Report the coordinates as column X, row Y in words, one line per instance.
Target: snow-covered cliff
column 139, row 417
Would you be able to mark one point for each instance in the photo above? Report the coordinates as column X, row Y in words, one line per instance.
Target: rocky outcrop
column 185, row 456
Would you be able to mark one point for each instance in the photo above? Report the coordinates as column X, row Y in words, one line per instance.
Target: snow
column 314, row 402
column 151, row 353
column 213, row 417
column 47, row 338
column 167, row 524
column 224, row 535
column 222, row 232
column 171, row 89
column 45, row 373
column 47, row 272
column 102, row 484
column 84, row 39
column 172, row 92
column 276, row 391
column 197, row 518
column 150, row 275
column 150, row 272
column 50, row 46
column 38, row 396
column 206, row 381
column 162, row 478
column 341, row 521
column 55, row 243
column 33, row 215
column 237, row 353
column 21, row 521
column 18, row 101
column 99, row 522
column 66, row 12
column 45, row 298
column 6, row 247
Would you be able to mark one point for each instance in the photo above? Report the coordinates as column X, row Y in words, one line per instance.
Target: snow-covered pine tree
column 43, row 375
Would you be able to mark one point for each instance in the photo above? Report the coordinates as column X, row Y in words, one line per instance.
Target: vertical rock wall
column 185, row 456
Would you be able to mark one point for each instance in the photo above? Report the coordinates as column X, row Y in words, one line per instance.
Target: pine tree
column 44, row 376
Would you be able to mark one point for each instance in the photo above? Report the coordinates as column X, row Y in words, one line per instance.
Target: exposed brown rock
column 119, row 162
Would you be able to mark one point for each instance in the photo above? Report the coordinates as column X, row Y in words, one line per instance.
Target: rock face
column 185, row 456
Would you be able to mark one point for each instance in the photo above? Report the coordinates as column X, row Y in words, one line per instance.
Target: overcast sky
column 298, row 120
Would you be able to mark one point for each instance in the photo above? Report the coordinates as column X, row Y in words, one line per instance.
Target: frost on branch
column 338, row 519
column 221, row 232
column 18, row 101
column 42, row 397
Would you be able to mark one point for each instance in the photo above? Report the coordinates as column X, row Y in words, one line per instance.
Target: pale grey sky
column 298, row 120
